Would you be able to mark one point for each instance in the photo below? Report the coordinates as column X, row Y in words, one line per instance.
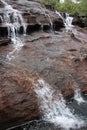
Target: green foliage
column 68, row 6
column 83, row 7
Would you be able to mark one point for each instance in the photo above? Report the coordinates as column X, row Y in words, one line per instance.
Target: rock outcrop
column 36, row 17
column 57, row 57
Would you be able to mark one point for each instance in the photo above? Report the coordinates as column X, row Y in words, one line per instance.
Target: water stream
column 55, row 109
column 68, row 23
column 13, row 20
column 53, row 105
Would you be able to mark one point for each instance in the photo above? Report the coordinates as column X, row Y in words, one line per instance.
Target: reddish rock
column 18, row 101
column 58, row 58
column 34, row 14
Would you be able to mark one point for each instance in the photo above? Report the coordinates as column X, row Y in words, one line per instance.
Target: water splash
column 55, row 109
column 78, row 97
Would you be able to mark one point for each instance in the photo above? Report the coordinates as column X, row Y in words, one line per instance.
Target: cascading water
column 13, row 20
column 55, row 109
column 78, row 97
column 68, row 23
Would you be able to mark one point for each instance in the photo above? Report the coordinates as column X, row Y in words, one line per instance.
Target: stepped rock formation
column 57, row 57
column 35, row 15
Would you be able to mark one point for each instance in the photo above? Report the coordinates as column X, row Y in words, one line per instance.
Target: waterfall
column 13, row 20
column 78, row 97
column 68, row 23
column 55, row 109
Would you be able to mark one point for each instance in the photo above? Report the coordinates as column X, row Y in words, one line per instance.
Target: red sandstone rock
column 18, row 101
column 58, row 58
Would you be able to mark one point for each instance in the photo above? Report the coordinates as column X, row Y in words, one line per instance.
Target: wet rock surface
column 18, row 101
column 59, row 58
column 35, row 16
column 56, row 57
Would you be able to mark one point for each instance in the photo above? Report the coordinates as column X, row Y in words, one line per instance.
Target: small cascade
column 68, row 23
column 78, row 97
column 13, row 20
column 55, row 109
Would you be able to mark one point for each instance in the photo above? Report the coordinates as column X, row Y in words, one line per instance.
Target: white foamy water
column 55, row 109
column 68, row 23
column 78, row 97
column 13, row 20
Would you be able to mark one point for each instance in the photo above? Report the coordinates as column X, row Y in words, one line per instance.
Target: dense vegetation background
column 68, row 6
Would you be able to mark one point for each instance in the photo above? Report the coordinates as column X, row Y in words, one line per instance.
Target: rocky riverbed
column 47, row 52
